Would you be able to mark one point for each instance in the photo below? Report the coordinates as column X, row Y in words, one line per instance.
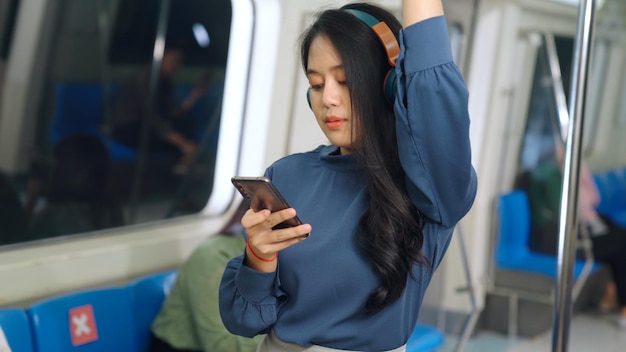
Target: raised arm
column 432, row 120
column 414, row 11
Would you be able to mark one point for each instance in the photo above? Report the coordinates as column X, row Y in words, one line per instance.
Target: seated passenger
column 13, row 221
column 171, row 147
column 608, row 240
column 80, row 196
column 189, row 319
column 171, row 130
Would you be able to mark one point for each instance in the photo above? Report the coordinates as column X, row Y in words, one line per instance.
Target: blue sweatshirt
column 319, row 291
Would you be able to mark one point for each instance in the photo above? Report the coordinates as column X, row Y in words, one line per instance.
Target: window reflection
column 104, row 152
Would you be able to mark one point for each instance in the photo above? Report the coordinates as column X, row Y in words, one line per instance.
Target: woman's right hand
column 263, row 242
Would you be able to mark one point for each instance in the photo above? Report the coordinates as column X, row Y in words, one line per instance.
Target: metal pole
column 571, row 168
column 468, row 328
column 144, row 140
column 104, row 39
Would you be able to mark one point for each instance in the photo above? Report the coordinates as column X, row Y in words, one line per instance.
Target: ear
column 390, row 85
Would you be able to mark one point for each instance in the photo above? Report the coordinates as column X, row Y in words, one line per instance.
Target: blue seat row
column 526, row 279
column 425, row 338
column 106, row 319
column 116, row 319
column 15, row 330
column 79, row 107
column 512, row 251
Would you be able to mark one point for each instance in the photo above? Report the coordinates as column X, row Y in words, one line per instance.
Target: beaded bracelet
column 259, row 258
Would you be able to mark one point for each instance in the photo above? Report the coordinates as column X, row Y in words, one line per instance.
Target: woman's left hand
column 264, row 242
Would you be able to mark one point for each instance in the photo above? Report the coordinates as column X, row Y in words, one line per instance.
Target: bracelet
column 259, row 258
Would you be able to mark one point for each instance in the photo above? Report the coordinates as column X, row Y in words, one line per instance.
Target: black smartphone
column 262, row 194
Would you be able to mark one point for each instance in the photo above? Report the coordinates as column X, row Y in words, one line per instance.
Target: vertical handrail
column 563, row 121
column 468, row 327
column 571, row 169
column 157, row 59
column 103, row 20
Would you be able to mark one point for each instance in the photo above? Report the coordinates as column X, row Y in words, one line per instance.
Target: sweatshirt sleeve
column 432, row 124
column 249, row 300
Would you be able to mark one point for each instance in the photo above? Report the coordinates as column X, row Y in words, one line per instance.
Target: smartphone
column 262, row 194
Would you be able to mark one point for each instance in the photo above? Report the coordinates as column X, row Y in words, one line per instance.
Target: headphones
column 392, row 49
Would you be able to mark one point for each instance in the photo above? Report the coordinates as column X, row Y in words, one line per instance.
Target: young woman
column 380, row 202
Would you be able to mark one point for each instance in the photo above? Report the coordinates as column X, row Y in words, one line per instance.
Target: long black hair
column 390, row 231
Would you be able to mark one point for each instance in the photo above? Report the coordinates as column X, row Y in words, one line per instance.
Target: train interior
column 82, row 209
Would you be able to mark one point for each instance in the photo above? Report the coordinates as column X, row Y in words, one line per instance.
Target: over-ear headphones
column 392, row 49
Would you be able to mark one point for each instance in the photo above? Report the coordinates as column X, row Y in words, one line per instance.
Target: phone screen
column 262, row 194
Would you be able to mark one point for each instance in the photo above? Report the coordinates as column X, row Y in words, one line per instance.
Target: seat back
column 78, row 108
column 425, row 338
column 612, row 188
column 512, row 251
column 15, row 328
column 514, row 226
column 146, row 295
column 86, row 321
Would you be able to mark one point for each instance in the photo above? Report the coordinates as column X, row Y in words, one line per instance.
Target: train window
column 548, row 113
column 126, row 115
column 548, row 98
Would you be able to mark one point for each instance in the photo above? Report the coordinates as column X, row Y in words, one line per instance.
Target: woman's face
column 329, row 94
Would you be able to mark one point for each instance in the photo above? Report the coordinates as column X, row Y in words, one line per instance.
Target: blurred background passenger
column 171, row 131
column 81, row 195
column 608, row 239
column 13, row 220
column 189, row 319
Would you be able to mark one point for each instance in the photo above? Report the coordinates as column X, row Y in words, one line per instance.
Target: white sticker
column 4, row 344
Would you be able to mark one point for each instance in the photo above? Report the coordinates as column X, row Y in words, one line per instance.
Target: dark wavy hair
column 390, row 231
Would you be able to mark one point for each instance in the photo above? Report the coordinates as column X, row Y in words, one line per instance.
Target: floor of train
column 589, row 332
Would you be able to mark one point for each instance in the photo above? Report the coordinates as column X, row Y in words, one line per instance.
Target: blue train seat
column 16, row 330
column 512, row 252
column 79, row 108
column 524, row 281
column 425, row 338
column 612, row 188
column 86, row 321
column 146, row 295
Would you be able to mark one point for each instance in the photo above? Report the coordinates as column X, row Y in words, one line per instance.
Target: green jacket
column 190, row 318
column 544, row 195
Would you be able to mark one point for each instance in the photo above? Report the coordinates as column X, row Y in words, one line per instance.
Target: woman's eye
column 316, row 86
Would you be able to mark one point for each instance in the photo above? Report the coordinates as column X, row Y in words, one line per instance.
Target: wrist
column 265, row 260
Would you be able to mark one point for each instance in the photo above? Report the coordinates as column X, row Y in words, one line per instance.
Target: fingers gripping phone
column 262, row 194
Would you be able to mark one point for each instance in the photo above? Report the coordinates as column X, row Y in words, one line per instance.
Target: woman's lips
column 334, row 122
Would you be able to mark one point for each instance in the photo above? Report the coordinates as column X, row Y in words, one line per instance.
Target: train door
column 527, row 116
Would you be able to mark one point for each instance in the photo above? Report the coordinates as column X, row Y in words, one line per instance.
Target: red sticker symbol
column 83, row 325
